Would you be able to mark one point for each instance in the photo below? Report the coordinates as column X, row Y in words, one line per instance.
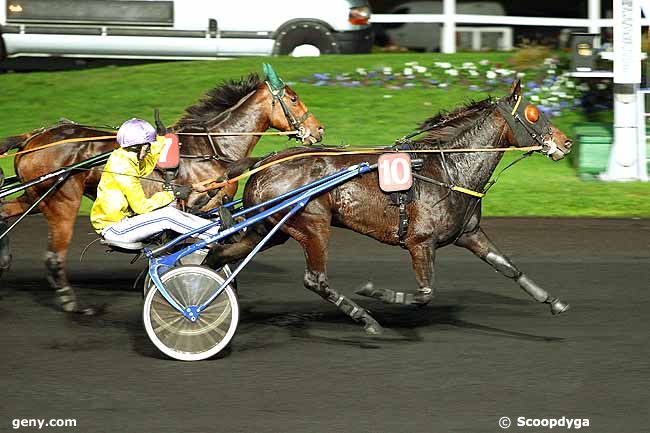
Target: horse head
column 288, row 112
column 528, row 126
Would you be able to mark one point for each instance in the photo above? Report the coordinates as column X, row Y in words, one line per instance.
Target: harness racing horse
column 438, row 215
column 247, row 105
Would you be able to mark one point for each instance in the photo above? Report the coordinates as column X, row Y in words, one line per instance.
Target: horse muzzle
column 556, row 151
column 306, row 137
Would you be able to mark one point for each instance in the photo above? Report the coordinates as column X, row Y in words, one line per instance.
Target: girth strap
column 403, row 219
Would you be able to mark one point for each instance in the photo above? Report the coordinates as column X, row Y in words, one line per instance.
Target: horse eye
column 294, row 99
column 531, row 113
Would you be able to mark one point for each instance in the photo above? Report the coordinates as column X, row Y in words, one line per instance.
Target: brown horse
column 248, row 105
column 438, row 216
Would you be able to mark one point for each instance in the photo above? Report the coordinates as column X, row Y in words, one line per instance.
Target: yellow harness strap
column 468, row 191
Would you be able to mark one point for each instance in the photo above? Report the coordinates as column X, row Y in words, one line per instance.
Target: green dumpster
column 590, row 154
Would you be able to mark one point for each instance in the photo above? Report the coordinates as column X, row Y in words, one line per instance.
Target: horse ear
column 272, row 77
column 515, row 89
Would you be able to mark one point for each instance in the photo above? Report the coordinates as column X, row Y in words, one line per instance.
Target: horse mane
column 219, row 100
column 450, row 124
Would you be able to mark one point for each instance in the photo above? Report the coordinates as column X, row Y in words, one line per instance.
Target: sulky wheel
column 175, row 335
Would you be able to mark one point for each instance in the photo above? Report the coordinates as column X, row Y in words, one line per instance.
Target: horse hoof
column 373, row 329
column 5, row 263
column 371, row 326
column 422, row 299
column 558, row 306
column 67, row 302
column 91, row 310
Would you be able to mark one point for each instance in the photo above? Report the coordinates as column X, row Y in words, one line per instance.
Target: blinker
column 531, row 114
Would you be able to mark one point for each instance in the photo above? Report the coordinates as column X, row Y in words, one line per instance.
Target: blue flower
column 324, row 76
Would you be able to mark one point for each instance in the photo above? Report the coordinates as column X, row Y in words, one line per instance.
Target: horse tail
column 13, row 142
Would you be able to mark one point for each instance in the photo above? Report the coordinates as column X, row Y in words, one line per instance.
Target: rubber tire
column 314, row 34
column 172, row 352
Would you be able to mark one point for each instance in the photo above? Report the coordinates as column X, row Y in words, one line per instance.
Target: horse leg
column 60, row 210
column 9, row 209
column 422, row 259
column 315, row 244
column 478, row 243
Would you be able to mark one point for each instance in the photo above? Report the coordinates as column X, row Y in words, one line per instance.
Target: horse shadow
column 268, row 324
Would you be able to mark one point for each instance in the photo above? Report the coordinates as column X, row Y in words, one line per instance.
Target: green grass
column 356, row 116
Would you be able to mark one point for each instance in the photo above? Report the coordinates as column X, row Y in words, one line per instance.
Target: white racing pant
column 140, row 227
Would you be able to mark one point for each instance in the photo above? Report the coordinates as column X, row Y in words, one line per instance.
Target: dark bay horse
column 438, row 216
column 246, row 105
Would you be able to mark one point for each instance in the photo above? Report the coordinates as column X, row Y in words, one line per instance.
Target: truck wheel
column 314, row 34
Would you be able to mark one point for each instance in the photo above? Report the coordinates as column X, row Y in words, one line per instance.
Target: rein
column 210, row 184
column 112, row 137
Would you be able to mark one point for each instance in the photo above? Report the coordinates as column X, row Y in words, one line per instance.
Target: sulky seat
column 124, row 247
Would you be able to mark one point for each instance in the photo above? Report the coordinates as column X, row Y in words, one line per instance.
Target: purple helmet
column 135, row 131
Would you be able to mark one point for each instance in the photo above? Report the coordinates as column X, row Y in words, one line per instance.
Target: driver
column 122, row 212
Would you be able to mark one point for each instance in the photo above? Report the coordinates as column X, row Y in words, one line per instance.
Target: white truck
column 181, row 28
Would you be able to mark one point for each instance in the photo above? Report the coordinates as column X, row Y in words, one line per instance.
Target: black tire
column 306, row 33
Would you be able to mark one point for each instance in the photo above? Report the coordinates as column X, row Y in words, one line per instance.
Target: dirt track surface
column 481, row 351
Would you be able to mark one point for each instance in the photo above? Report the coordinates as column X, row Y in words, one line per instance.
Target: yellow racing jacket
column 121, row 195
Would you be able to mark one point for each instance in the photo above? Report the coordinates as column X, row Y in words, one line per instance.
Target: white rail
column 449, row 22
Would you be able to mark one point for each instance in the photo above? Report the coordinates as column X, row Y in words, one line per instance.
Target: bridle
column 295, row 123
column 529, row 126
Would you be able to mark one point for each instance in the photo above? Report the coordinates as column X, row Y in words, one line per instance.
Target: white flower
column 388, row 96
column 410, row 63
column 490, row 75
column 570, row 84
column 484, row 62
column 408, row 71
column 504, row 72
column 388, row 70
column 361, row 71
column 452, row 72
column 534, row 98
column 521, row 74
column 444, row 65
column 443, row 85
column 474, row 73
column 419, row 69
column 550, row 71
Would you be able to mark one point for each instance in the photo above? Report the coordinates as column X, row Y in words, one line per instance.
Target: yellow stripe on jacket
column 121, row 195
